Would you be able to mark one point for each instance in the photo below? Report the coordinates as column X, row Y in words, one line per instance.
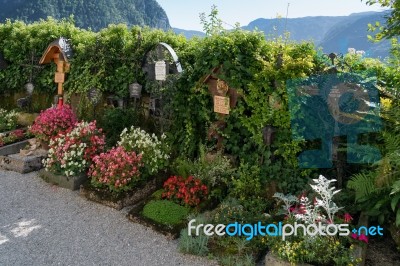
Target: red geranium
column 190, row 191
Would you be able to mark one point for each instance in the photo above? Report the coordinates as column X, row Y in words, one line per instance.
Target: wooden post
column 59, row 79
column 59, row 52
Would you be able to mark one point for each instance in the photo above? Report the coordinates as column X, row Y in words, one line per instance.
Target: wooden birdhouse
column 59, row 52
column 225, row 98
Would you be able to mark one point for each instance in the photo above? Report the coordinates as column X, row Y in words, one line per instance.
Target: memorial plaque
column 135, row 90
column 161, row 70
column 59, row 77
column 221, row 105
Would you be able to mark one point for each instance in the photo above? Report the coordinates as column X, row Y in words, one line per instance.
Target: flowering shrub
column 52, row 122
column 154, row 151
column 72, row 153
column 320, row 209
column 189, row 191
column 8, row 120
column 361, row 237
column 327, row 249
column 117, row 170
column 14, row 136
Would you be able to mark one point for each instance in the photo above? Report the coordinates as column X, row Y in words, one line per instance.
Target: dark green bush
column 115, row 120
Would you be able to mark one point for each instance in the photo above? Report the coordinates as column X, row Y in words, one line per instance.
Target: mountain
column 189, row 33
column 333, row 34
column 353, row 33
column 94, row 14
column 300, row 29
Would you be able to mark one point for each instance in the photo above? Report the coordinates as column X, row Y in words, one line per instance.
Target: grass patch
column 165, row 212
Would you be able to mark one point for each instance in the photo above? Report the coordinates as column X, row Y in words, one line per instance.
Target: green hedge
column 257, row 68
column 107, row 60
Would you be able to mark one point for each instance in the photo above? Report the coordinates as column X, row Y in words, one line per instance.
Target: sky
column 184, row 14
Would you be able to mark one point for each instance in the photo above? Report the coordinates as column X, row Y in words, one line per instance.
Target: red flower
column 347, row 217
column 363, row 238
column 354, row 236
column 19, row 133
column 189, row 191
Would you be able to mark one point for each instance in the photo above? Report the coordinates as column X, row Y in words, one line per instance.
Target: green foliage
column 235, row 250
column 232, row 260
column 89, row 14
column 193, row 245
column 212, row 25
column 214, row 170
column 165, row 212
column 233, row 210
column 377, row 190
column 196, row 245
column 8, row 120
column 363, row 183
column 325, row 250
column 391, row 75
column 154, row 150
column 392, row 26
column 158, row 194
column 115, row 120
column 108, row 60
column 249, row 64
column 247, row 185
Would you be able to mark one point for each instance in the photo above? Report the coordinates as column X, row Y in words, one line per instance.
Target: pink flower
column 347, row 217
column 66, row 149
column 52, row 122
column 354, row 236
column 363, row 238
column 111, row 169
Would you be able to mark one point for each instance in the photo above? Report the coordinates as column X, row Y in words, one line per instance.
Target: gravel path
column 42, row 225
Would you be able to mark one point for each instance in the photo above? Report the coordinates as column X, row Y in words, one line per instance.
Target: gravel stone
column 41, row 224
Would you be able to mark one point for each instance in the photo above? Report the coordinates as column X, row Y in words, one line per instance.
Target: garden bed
column 14, row 136
column 165, row 216
column 272, row 260
column 72, row 183
column 124, row 200
column 12, row 160
column 172, row 231
column 13, row 148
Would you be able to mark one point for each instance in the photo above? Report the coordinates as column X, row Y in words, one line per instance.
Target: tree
column 213, row 25
column 392, row 27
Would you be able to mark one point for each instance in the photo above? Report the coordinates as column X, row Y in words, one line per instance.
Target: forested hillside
column 94, row 14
